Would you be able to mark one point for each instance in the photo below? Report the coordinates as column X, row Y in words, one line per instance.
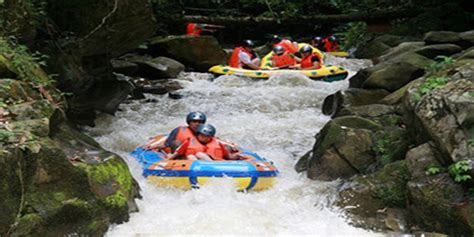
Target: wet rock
column 397, row 96
column 392, row 76
column 343, row 148
column 400, row 49
column 467, row 55
column 359, row 78
column 442, row 37
column 106, row 97
column 431, row 51
column 199, row 53
column 157, row 68
column 368, row 111
column 351, row 97
column 371, row 50
column 158, row 87
column 433, row 201
column 124, row 67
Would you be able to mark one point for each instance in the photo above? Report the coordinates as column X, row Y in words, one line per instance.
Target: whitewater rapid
column 275, row 118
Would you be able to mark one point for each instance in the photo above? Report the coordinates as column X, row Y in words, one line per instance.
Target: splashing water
column 277, row 118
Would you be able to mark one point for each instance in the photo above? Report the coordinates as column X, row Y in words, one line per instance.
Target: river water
column 276, row 118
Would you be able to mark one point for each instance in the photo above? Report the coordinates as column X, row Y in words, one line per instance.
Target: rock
column 38, row 127
column 301, row 165
column 124, row 67
column 468, row 36
column 392, row 143
column 359, row 78
column 107, row 97
column 442, row 37
column 393, row 76
column 374, row 201
column 467, row 55
column 371, row 50
column 446, row 115
column 397, row 96
column 433, row 201
column 351, row 97
column 432, row 51
column 368, row 111
column 199, row 53
column 157, row 68
column 419, row 159
column 400, row 49
column 413, row 58
column 343, row 148
column 160, row 87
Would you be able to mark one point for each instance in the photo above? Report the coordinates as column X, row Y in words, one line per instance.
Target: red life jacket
column 308, row 62
column 184, row 133
column 213, row 148
column 234, row 60
column 287, row 45
column 193, row 30
column 283, row 60
column 329, row 46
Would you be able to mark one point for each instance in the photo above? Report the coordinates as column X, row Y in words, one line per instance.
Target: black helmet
column 206, row 129
column 278, row 49
column 248, row 43
column 276, row 39
column 332, row 38
column 196, row 116
column 306, row 49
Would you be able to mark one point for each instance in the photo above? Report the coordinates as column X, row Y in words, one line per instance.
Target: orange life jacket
column 193, row 30
column 234, row 60
column 287, row 45
column 213, row 148
column 283, row 60
column 184, row 133
column 308, row 62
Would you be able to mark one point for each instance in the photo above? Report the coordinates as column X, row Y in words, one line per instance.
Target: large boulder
column 199, row 53
column 343, row 148
column 442, row 37
column 157, row 68
column 378, row 46
column 446, row 116
column 351, row 97
column 393, row 76
column 400, row 49
column 411, row 58
column 432, row 51
column 468, row 37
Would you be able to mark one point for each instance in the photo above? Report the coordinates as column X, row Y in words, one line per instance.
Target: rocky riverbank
column 402, row 137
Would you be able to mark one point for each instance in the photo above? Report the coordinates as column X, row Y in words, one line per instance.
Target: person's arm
column 181, row 150
column 316, row 64
column 245, row 59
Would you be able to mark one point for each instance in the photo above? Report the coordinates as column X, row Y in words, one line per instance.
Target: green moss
column 117, row 200
column 112, row 169
column 392, row 189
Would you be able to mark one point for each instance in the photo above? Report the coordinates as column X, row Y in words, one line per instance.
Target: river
column 276, row 118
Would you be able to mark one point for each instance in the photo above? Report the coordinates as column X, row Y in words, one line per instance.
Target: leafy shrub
column 459, row 171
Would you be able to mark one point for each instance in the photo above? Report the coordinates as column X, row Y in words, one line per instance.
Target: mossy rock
column 6, row 68
column 14, row 91
column 38, row 127
column 37, row 109
column 10, row 188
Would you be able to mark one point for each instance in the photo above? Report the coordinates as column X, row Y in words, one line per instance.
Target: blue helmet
column 196, row 116
column 206, row 129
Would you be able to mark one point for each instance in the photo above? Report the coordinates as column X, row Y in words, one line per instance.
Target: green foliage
column 441, row 63
column 434, row 169
column 382, row 148
column 459, row 171
column 432, row 83
column 470, row 93
column 355, row 33
column 470, row 142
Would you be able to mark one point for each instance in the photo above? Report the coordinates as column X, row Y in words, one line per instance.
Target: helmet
column 276, row 38
column 332, row 38
column 206, row 129
column 248, row 43
column 318, row 39
column 196, row 116
column 278, row 49
column 306, row 49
